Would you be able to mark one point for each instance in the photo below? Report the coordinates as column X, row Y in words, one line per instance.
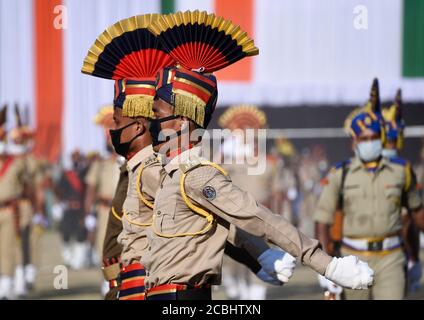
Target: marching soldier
column 370, row 190
column 11, row 185
column 239, row 282
column 132, row 110
column 394, row 127
column 70, row 191
column 309, row 178
column 284, row 183
column 101, row 180
column 31, row 217
column 197, row 201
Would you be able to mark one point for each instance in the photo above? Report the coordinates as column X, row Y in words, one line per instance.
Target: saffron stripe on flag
column 48, row 78
column 241, row 13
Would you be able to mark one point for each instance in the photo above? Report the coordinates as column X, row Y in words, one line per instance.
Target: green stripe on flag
column 413, row 38
column 167, row 6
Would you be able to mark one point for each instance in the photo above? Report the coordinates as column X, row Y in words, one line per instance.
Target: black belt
column 189, row 293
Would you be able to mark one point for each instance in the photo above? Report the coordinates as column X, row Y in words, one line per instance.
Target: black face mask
column 122, row 148
column 155, row 129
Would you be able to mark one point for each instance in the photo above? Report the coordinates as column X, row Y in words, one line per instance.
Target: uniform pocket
column 393, row 195
column 351, row 193
column 165, row 216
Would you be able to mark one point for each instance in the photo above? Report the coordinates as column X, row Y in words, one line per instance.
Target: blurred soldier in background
column 101, row 180
column 70, row 192
column 367, row 192
column 239, row 282
column 31, row 218
column 394, row 127
column 284, row 183
column 309, row 176
column 11, row 185
column 419, row 169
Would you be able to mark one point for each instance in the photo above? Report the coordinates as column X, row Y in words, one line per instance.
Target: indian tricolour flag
column 311, row 52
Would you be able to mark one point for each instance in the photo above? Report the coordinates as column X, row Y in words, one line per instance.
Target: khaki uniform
column 183, row 249
column 30, row 236
column 137, row 215
column 372, row 212
column 11, row 186
column 111, row 248
column 309, row 176
column 283, row 182
column 419, row 170
column 104, row 176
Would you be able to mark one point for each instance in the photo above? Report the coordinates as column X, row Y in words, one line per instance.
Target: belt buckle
column 375, row 246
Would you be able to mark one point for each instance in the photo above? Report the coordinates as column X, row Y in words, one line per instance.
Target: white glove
column 90, row 222
column 414, row 275
column 329, row 285
column 57, row 211
column 265, row 277
column 323, row 282
column 350, row 272
column 39, row 219
column 277, row 263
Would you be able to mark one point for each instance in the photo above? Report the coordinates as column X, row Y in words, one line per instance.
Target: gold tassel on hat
column 138, row 105
column 190, row 106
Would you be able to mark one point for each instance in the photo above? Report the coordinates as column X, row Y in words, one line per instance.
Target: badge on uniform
column 209, row 192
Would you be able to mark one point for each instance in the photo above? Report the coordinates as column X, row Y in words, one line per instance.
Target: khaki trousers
column 102, row 218
column 23, row 250
column 389, row 277
column 8, row 242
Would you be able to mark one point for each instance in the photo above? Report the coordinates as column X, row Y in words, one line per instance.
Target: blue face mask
column 369, row 150
column 389, row 153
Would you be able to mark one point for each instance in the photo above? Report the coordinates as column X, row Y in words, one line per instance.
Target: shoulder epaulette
column 192, row 163
column 399, row 161
column 150, row 160
column 340, row 165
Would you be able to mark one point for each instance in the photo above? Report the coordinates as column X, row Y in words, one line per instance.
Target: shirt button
column 150, row 248
column 158, row 213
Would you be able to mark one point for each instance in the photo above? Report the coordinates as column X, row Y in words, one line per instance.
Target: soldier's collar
column 358, row 164
column 182, row 158
column 139, row 156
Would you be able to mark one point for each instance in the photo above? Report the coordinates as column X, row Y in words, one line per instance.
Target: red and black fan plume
column 201, row 41
column 127, row 50
column 18, row 117
column 3, row 115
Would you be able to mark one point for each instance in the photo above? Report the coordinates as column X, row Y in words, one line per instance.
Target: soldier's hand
column 414, row 275
column 329, row 285
column 350, row 272
column 90, row 222
column 40, row 220
column 265, row 277
column 277, row 263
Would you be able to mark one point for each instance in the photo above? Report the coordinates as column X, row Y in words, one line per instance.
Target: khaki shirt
column 135, row 211
column 11, row 178
column 198, row 259
column 283, row 178
column 111, row 247
column 33, row 170
column 419, row 169
column 104, row 176
column 372, row 202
